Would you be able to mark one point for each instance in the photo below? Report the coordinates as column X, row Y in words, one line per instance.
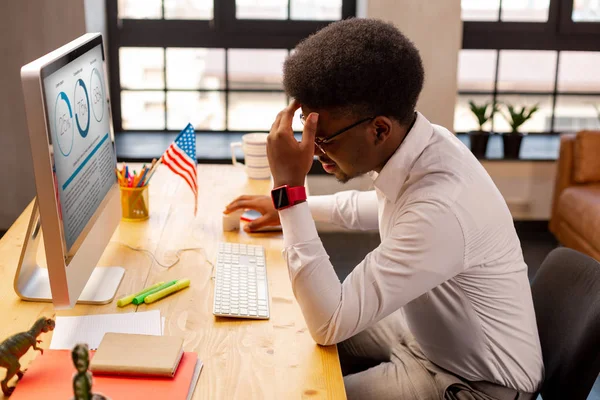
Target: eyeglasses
column 322, row 141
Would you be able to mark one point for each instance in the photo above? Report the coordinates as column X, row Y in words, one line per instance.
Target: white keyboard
column 241, row 289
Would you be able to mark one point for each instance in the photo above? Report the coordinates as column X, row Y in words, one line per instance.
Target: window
column 525, row 10
column 480, row 10
column 531, row 52
column 170, row 9
column 214, row 63
column 505, row 10
column 217, row 63
column 586, row 11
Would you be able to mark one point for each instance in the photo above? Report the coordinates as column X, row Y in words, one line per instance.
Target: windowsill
column 214, row 148
column 535, row 147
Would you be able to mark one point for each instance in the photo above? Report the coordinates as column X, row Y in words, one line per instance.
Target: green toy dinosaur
column 13, row 348
column 82, row 379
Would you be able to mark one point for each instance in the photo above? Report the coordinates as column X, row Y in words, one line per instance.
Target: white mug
column 254, row 146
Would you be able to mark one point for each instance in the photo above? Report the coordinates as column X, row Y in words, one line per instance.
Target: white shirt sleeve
column 351, row 209
column 424, row 249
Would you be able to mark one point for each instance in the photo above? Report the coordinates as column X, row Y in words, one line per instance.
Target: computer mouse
column 231, row 222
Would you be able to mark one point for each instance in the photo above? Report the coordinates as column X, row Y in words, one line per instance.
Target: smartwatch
column 286, row 196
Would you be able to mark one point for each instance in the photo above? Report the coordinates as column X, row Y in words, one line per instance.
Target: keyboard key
column 262, row 290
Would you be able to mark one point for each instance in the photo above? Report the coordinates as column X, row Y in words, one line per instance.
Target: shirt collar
column 396, row 170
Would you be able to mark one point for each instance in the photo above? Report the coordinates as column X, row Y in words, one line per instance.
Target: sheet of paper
column 91, row 328
column 162, row 325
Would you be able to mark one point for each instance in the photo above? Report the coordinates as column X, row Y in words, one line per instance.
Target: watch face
column 280, row 198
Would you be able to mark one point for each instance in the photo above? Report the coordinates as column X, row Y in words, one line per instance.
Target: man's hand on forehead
column 289, row 159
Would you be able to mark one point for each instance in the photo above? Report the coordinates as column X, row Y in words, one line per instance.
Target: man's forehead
column 325, row 116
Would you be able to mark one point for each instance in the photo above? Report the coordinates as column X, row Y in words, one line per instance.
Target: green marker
column 128, row 299
column 181, row 284
column 140, row 299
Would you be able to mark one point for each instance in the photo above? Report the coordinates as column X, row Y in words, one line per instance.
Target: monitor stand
column 33, row 284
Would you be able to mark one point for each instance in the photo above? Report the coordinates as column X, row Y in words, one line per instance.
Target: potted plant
column 479, row 139
column 516, row 117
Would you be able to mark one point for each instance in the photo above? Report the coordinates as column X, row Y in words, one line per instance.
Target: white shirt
column 449, row 256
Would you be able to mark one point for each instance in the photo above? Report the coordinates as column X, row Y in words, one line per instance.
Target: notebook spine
column 138, row 371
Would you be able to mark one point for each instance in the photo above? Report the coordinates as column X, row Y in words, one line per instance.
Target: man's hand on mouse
column 289, row 159
column 262, row 204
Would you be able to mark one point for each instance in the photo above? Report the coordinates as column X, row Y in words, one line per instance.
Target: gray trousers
column 385, row 362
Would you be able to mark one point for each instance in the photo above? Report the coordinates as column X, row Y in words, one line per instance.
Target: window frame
column 224, row 31
column 558, row 33
column 568, row 26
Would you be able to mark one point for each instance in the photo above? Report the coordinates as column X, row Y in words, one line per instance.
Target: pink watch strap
column 296, row 194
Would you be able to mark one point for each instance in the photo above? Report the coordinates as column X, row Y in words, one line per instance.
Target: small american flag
column 180, row 157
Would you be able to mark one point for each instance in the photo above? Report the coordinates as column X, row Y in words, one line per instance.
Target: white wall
column 435, row 26
column 95, row 17
column 31, row 28
column 527, row 186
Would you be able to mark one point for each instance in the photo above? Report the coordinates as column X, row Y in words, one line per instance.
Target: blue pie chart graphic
column 63, row 123
column 82, row 107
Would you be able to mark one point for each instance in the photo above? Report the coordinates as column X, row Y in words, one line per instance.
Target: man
column 449, row 258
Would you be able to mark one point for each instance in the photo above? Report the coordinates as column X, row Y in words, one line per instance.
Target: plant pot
column 512, row 144
column 479, row 142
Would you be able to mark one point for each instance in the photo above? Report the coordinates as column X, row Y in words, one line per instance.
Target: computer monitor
column 72, row 145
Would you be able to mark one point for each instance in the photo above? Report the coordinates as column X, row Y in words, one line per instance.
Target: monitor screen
column 78, row 118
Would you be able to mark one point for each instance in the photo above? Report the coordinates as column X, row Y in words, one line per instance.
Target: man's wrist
column 277, row 184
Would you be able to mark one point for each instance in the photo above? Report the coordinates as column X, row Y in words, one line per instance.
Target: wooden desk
column 244, row 359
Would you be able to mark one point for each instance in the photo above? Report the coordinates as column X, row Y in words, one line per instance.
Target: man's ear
column 383, row 129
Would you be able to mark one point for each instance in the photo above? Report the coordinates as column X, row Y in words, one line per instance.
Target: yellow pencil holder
column 135, row 204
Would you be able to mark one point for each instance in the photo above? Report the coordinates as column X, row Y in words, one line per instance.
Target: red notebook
column 50, row 376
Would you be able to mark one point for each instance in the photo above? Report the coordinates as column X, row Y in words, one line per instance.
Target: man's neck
column 395, row 142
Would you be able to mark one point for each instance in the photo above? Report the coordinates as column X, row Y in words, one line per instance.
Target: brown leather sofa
column 575, row 219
